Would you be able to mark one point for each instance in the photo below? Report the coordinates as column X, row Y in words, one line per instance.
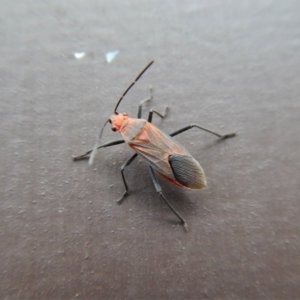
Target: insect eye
column 109, row 121
column 114, row 129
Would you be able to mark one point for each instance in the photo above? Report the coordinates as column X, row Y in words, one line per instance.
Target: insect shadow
column 163, row 154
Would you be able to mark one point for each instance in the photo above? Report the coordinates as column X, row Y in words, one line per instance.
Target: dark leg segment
column 223, row 137
column 159, row 190
column 109, row 144
column 126, row 164
column 152, row 111
column 139, row 115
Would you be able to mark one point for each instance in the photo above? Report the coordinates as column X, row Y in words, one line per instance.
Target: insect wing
column 187, row 171
column 168, row 157
column 155, row 147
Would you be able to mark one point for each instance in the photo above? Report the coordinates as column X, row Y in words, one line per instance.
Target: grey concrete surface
column 228, row 65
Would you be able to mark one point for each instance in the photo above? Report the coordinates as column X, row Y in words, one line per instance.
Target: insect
column 164, row 155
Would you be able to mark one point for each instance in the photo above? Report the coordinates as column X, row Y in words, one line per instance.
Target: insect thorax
column 131, row 128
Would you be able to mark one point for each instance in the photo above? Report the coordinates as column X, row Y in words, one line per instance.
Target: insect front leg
column 86, row 154
column 152, row 111
column 159, row 190
column 126, row 164
column 221, row 136
column 139, row 115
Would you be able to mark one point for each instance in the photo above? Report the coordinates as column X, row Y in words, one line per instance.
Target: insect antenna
column 132, row 84
column 97, row 144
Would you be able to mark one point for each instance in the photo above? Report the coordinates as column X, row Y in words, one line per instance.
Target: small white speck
column 79, row 55
column 110, row 56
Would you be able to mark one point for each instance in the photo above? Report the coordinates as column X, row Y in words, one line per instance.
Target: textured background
column 229, row 65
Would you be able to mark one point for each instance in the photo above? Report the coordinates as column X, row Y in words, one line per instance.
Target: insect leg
column 159, row 190
column 222, row 136
column 126, row 164
column 152, row 111
column 85, row 155
column 139, row 115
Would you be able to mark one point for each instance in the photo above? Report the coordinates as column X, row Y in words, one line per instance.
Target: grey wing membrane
column 187, row 171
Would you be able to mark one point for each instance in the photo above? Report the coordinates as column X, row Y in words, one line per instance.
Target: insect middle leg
column 126, row 164
column 159, row 190
column 221, row 136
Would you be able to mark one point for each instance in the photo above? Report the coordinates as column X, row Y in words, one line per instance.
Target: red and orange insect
column 162, row 153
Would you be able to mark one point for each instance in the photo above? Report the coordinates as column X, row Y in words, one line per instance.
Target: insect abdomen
column 187, row 171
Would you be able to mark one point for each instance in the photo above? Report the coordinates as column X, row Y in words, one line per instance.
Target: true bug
column 162, row 153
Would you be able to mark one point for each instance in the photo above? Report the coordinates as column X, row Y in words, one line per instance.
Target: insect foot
column 119, row 201
column 228, row 135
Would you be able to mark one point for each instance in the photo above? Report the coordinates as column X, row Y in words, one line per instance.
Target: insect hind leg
column 126, row 164
column 159, row 190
